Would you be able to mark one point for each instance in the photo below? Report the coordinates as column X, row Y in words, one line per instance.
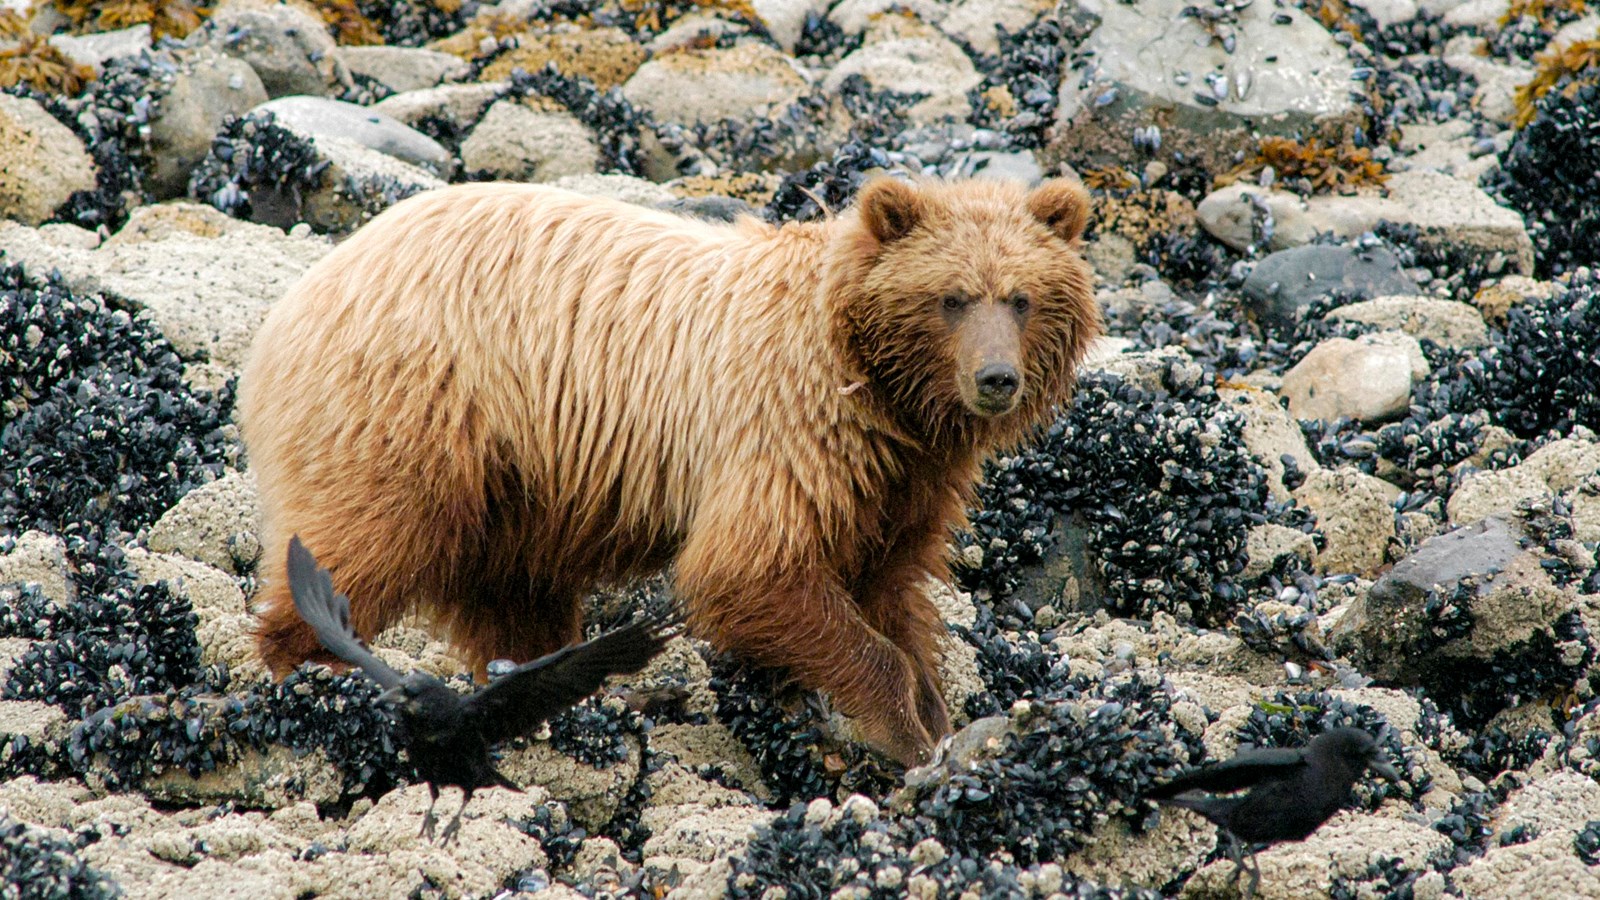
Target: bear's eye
column 1019, row 302
column 954, row 302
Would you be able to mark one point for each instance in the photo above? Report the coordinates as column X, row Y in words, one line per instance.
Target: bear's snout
column 988, row 340
column 997, row 384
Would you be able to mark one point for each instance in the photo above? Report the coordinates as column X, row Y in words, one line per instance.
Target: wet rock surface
column 1239, row 533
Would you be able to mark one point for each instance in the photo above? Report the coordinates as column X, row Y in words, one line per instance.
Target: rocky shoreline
column 1336, row 463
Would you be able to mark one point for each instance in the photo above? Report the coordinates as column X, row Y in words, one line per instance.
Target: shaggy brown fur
column 495, row 397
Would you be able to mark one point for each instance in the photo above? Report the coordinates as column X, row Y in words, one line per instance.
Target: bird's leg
column 1255, row 876
column 1236, row 853
column 428, row 821
column 453, row 830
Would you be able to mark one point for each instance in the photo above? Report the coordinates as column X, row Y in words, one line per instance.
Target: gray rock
column 1495, row 98
column 1450, row 215
column 1148, row 64
column 42, row 163
column 319, row 118
column 856, row 16
column 1284, row 283
column 1355, row 513
column 404, row 68
column 1469, row 14
column 1449, row 147
column 1458, row 598
column 353, row 184
column 517, row 142
column 461, row 105
column 1368, row 379
column 696, row 29
column 95, row 50
column 741, row 82
column 710, row 208
column 206, row 89
column 1241, row 215
column 1445, row 322
column 901, row 56
column 288, row 46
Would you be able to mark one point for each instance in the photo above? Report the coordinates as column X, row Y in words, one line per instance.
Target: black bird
column 1291, row 792
column 448, row 734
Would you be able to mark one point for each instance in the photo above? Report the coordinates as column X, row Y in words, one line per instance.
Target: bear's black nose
column 998, row 380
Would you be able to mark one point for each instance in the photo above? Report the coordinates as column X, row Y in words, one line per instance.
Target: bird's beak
column 392, row 695
column 1381, row 766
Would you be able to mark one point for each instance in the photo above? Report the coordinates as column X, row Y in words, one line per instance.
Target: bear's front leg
column 894, row 601
column 812, row 628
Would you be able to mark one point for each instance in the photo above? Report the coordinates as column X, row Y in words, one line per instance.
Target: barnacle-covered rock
column 43, row 162
column 1447, row 323
column 606, row 57
column 705, row 86
column 36, row 559
column 215, row 524
column 1476, row 618
column 1555, row 468
column 1355, row 515
column 42, row 864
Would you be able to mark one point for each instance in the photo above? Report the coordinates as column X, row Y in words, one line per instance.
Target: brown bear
column 496, row 397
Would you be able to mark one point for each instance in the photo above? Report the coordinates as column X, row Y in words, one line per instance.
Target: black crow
column 1291, row 792
column 448, row 734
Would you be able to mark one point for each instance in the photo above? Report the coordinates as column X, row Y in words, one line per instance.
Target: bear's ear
column 1062, row 205
column 890, row 208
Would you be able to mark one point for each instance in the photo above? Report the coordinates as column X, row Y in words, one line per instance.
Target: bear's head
column 966, row 305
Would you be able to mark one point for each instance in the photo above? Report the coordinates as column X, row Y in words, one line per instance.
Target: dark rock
column 319, row 117
column 712, row 208
column 1475, row 617
column 1285, row 283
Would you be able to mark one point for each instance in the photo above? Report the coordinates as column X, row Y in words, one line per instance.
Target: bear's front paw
column 932, row 712
column 899, row 733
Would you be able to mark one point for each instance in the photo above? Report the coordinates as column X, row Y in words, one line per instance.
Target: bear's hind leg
column 516, row 621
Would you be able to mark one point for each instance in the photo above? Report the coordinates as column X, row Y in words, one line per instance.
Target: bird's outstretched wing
column 328, row 614
column 517, row 702
column 1247, row 769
